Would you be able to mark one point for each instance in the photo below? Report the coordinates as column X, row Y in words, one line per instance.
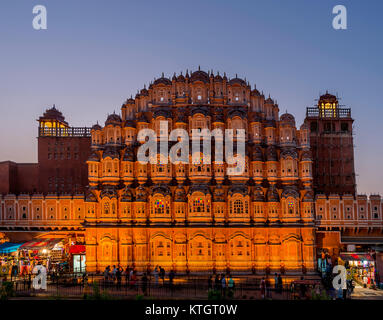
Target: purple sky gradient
column 95, row 54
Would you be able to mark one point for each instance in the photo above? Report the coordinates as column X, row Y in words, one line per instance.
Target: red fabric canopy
column 77, row 248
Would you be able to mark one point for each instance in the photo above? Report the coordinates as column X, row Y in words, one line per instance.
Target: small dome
column 109, row 192
column 269, row 101
column 127, row 195
column 219, row 194
column 289, row 152
column 129, row 124
column 258, row 194
column 309, row 196
column 94, row 157
column 255, row 92
column 130, row 101
column 239, row 188
column 111, row 153
column 271, row 154
column 290, row 191
column 141, row 194
column 272, row 195
column 96, row 127
column 180, row 194
column 287, row 118
column 237, row 80
column 181, row 78
column 306, row 156
column 199, row 76
column 144, row 92
column 113, row 119
column 128, row 155
column 218, row 78
column 163, row 80
column 257, row 154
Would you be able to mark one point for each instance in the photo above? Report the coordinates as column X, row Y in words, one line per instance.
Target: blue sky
column 95, row 54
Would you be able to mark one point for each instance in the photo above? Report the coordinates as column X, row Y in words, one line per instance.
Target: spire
column 162, row 75
column 199, row 68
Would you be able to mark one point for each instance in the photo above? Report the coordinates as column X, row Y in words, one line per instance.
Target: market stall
column 361, row 266
column 8, row 257
column 48, row 251
column 78, row 258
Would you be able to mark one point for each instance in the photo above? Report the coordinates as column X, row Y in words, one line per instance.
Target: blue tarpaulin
column 8, row 247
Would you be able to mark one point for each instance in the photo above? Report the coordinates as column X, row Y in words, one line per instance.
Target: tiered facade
column 195, row 217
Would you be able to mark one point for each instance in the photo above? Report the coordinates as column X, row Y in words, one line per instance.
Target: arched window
column 106, row 208
column 290, row 206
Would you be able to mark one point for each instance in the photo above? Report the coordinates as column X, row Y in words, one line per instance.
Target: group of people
column 115, row 275
column 265, row 286
column 224, row 284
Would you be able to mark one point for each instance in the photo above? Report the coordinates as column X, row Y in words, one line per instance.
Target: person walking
column 118, row 277
column 210, row 283
column 230, row 285
column 280, row 283
column 144, row 284
column 276, row 282
column 156, row 275
column 171, row 278
column 223, row 285
column 217, row 282
column 162, row 275
column 263, row 288
column 268, row 288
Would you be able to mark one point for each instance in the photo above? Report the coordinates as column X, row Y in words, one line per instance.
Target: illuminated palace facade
column 195, row 217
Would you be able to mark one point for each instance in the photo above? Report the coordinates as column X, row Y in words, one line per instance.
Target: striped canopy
column 9, row 247
column 38, row 244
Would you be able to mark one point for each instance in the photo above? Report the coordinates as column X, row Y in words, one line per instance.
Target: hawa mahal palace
column 295, row 198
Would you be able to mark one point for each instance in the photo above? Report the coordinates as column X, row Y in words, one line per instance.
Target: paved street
column 367, row 294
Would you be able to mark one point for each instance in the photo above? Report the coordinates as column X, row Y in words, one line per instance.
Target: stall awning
column 77, row 249
column 356, row 257
column 38, row 244
column 9, row 247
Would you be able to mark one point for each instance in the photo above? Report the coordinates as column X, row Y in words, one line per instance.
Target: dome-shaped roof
column 272, row 194
column 141, row 194
column 237, row 80
column 53, row 114
column 90, row 197
column 130, row 101
column 218, row 78
column 199, row 76
column 327, row 97
column 269, row 100
column 289, row 152
column 127, row 195
column 109, row 192
column 144, row 92
column 96, row 127
column 111, row 153
column 306, row 156
column 161, row 189
column 180, row 194
column 142, row 118
column 199, row 188
column 219, row 194
column 128, row 155
column 162, row 80
column 271, row 154
column 287, row 118
column 290, row 191
column 257, row 154
column 239, row 188
column 94, row 157
column 129, row 124
column 113, row 119
column 309, row 196
column 255, row 92
column 181, row 78
column 258, row 194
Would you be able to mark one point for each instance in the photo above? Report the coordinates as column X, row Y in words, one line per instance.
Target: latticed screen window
column 198, row 205
column 106, row 208
column 290, row 205
column 159, row 207
column 238, row 207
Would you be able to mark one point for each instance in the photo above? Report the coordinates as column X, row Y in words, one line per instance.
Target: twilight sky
column 95, row 54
